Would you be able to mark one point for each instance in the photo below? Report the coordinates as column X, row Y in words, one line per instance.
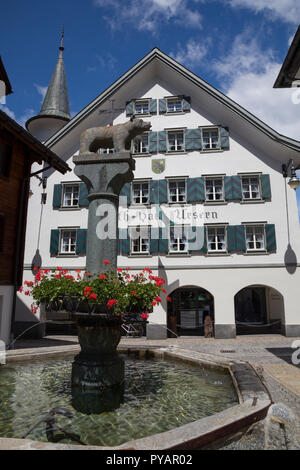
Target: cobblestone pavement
column 271, row 355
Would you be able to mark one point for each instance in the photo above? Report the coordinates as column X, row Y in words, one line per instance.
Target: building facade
column 209, row 209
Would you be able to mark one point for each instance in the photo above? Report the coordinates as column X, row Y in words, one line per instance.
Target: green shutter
column 152, row 136
column 186, row 103
column 83, row 195
column 129, row 108
column 162, row 106
column 195, row 190
column 236, row 187
column 126, row 192
column 153, row 106
column 203, row 249
column 124, row 241
column 163, row 240
column 270, row 237
column 154, row 192
column 240, row 238
column 193, row 139
column 81, row 241
column 162, row 141
column 265, row 186
column 231, row 243
column 227, row 188
column 163, row 191
column 224, row 137
column 154, row 240
column 54, row 242
column 57, row 194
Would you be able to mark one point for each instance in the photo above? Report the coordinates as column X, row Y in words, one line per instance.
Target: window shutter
column 57, row 194
column 83, row 195
column 227, row 188
column 124, row 243
column 193, row 139
column 270, row 237
column 154, row 240
column 126, row 191
column 265, row 186
column 129, row 108
column 153, row 106
column 186, row 103
column 203, row 249
column 224, row 138
column 162, row 141
column 154, row 194
column 81, row 241
column 240, row 238
column 163, row 241
column 195, row 190
column 163, row 191
column 236, row 187
column 152, row 136
column 162, row 103
column 231, row 244
column 54, row 242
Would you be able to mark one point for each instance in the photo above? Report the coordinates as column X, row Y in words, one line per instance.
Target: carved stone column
column 104, row 176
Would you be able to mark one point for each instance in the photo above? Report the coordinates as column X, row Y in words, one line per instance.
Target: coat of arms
column 158, row 166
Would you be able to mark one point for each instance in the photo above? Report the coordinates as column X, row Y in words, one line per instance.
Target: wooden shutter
column 240, row 238
column 203, row 249
column 154, row 192
column 153, row 106
column 162, row 141
column 57, row 195
column 193, row 139
column 227, row 188
column 124, row 241
column 270, row 237
column 83, row 195
column 236, row 187
column 162, row 105
column 231, row 242
column 81, row 241
column 152, row 136
column 265, row 186
column 163, row 240
column 224, row 138
column 54, row 242
column 129, row 108
column 186, row 103
column 163, row 191
column 154, row 240
column 195, row 190
column 126, row 191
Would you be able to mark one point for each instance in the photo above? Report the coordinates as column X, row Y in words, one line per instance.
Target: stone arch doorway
column 259, row 309
column 187, row 311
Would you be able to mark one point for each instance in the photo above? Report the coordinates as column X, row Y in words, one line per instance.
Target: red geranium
column 111, row 303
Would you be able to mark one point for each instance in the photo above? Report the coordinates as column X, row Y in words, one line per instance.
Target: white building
column 203, row 150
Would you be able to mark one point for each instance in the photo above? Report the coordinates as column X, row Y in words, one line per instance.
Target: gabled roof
column 5, row 79
column 290, row 70
column 203, row 87
column 41, row 152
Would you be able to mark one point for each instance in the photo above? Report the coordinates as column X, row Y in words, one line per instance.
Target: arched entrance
column 187, row 311
column 258, row 310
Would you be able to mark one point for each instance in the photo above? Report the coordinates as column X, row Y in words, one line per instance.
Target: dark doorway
column 188, row 309
column 250, row 306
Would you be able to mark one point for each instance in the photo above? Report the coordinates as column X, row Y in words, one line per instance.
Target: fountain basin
column 251, row 404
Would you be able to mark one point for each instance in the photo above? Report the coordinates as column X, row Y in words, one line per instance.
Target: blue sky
column 236, row 45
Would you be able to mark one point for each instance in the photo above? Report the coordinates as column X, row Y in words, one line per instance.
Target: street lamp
column 294, row 181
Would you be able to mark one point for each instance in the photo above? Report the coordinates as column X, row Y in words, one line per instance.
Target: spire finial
column 61, row 47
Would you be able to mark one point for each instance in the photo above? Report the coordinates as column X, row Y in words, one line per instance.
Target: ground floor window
column 68, row 241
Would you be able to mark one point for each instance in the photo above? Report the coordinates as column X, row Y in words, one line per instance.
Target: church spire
column 56, row 101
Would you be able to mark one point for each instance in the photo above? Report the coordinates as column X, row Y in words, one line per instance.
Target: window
column 142, row 107
column 255, row 237
column 214, row 189
column 105, row 150
column 251, row 187
column 177, row 191
column 70, row 195
column 211, row 139
column 140, row 193
column 175, row 141
column 140, row 144
column 139, row 240
column 174, row 105
column 178, row 241
column 68, row 241
column 216, row 239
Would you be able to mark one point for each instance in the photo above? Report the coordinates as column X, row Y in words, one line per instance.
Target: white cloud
column 286, row 10
column 42, row 90
column 248, row 74
column 148, row 15
column 8, row 111
column 192, row 53
column 20, row 120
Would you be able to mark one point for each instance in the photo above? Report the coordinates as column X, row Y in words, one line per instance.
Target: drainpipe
column 16, row 283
